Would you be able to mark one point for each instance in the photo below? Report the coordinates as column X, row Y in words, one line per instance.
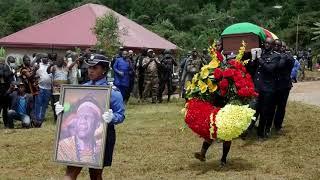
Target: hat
column 96, row 59
column 150, row 50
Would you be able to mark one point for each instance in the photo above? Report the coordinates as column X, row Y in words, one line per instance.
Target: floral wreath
column 218, row 98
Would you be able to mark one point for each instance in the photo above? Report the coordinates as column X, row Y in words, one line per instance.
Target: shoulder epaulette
column 114, row 88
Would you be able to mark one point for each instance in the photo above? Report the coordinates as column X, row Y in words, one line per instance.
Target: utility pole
column 297, row 36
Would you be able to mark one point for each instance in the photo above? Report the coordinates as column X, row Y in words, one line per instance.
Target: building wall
column 18, row 53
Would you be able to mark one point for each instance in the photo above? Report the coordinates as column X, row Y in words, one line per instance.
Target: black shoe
column 268, row 134
column 244, row 135
column 223, row 162
column 199, row 156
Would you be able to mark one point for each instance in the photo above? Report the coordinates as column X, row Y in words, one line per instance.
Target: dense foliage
column 187, row 23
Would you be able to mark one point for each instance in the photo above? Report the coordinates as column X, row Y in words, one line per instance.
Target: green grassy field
column 151, row 145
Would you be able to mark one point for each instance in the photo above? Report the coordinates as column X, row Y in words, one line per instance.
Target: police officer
column 97, row 71
column 265, row 82
column 151, row 66
column 6, row 78
column 165, row 74
column 283, row 84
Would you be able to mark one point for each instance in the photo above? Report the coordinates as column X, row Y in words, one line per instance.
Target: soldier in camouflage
column 165, row 74
column 192, row 66
column 151, row 65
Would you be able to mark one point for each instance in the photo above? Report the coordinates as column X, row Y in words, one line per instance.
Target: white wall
column 18, row 53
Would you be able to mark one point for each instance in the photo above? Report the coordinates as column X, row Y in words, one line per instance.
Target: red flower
column 236, row 64
column 228, row 73
column 219, row 56
column 217, row 73
column 198, row 117
column 224, row 84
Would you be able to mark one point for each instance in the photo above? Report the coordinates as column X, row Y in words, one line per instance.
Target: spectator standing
column 72, row 64
column 295, row 70
column 6, row 78
column 28, row 75
column 140, row 71
column 123, row 71
column 192, row 66
column 45, row 84
column 59, row 73
column 151, row 80
column 309, row 59
column 166, row 74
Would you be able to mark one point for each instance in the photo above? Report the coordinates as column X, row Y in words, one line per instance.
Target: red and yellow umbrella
column 270, row 34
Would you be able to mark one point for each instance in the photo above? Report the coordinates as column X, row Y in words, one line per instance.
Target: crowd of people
column 144, row 74
column 27, row 89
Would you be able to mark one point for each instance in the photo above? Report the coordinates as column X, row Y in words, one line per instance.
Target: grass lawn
column 151, row 145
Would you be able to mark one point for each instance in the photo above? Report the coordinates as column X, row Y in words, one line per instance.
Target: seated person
column 21, row 105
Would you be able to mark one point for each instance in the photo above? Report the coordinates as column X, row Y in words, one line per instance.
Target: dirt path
column 306, row 92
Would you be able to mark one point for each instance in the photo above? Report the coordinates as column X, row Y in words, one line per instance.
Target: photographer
column 21, row 105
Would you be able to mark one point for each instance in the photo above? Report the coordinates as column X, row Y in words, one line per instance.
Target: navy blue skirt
column 110, row 142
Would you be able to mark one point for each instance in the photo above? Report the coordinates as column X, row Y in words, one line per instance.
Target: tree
column 108, row 33
column 316, row 31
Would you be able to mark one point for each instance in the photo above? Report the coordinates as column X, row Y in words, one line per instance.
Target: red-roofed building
column 74, row 29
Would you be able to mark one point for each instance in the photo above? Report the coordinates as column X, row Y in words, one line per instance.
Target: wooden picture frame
column 80, row 132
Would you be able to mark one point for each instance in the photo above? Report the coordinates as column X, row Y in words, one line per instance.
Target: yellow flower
column 190, row 86
column 214, row 63
column 212, row 87
column 195, row 78
column 204, row 72
column 241, row 51
column 203, row 86
column 232, row 121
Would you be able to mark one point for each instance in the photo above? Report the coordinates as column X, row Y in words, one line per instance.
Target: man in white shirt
column 45, row 85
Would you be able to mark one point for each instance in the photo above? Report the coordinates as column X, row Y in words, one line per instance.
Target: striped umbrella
column 269, row 34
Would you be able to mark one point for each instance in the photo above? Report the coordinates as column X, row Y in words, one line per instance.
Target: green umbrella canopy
column 245, row 27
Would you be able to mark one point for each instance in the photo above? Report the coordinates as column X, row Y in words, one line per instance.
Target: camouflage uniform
column 151, row 80
column 192, row 66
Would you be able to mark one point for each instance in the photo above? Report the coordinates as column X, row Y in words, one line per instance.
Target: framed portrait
column 81, row 132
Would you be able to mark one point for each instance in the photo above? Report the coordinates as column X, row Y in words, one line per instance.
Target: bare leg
column 95, row 174
column 72, row 172
column 226, row 149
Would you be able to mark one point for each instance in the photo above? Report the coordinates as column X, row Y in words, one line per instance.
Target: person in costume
column 97, row 71
column 219, row 103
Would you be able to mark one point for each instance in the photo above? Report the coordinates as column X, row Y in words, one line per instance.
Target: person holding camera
column 59, row 72
column 45, row 84
column 73, row 62
column 21, row 105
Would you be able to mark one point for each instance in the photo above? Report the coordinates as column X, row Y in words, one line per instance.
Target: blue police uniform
column 265, row 84
column 283, row 87
column 117, row 106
